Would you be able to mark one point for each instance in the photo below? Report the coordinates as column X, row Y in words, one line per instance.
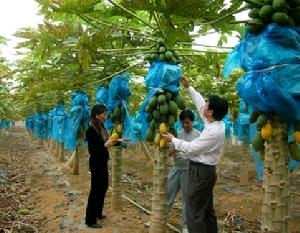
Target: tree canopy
column 82, row 44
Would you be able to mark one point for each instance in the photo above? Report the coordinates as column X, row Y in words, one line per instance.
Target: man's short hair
column 219, row 106
column 186, row 114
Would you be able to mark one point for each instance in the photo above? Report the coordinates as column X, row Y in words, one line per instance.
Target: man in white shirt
column 203, row 153
column 178, row 175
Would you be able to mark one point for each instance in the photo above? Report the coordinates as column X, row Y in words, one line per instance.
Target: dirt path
column 48, row 198
column 37, row 194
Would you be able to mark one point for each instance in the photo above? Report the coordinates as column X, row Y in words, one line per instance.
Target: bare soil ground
column 37, row 194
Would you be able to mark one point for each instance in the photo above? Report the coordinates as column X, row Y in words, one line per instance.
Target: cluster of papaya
column 263, row 12
column 162, row 111
column 264, row 133
column 117, row 117
column 160, row 51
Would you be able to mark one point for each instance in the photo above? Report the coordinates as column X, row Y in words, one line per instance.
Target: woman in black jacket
column 98, row 141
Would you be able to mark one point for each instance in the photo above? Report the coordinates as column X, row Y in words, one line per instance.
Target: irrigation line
column 175, row 229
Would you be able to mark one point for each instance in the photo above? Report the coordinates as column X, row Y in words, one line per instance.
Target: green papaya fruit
column 153, row 124
column 280, row 18
column 156, row 114
column 253, row 29
column 148, row 109
column 161, row 41
column 161, row 99
column 173, row 61
column 117, row 113
column 262, row 120
column 171, row 120
column 168, row 55
column 173, row 107
column 254, row 115
column 164, row 119
column 255, row 25
column 179, row 100
column 162, row 57
column 148, row 57
column 254, row 13
column 279, row 5
column 295, row 15
column 154, row 56
column 112, row 117
column 258, row 142
column 294, row 151
column 297, row 125
column 150, row 135
column 176, row 55
column 164, row 109
column 168, row 96
column 266, row 12
column 152, row 102
column 162, row 49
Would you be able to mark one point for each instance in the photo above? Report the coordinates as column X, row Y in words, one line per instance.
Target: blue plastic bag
column 102, row 95
column 271, row 61
column 118, row 93
column 58, row 123
column 243, row 124
column 78, row 119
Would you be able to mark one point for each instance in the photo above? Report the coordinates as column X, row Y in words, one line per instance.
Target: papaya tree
column 268, row 31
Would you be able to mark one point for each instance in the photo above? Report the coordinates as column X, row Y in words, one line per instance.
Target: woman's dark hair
column 187, row 114
column 219, row 106
column 97, row 110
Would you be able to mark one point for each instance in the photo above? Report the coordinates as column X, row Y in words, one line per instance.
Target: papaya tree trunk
column 70, row 163
column 51, row 146
column 40, row 141
column 61, row 152
column 75, row 169
column 56, row 149
column 245, row 160
column 116, row 198
column 276, row 184
column 158, row 219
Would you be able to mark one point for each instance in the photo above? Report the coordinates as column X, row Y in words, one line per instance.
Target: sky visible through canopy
column 15, row 14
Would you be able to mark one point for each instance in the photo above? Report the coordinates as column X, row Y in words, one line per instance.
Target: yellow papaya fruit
column 119, row 128
column 266, row 131
column 163, row 144
column 114, row 136
column 262, row 155
column 163, row 128
column 297, row 136
column 157, row 139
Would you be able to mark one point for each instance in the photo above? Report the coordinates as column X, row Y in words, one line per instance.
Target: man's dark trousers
column 201, row 216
